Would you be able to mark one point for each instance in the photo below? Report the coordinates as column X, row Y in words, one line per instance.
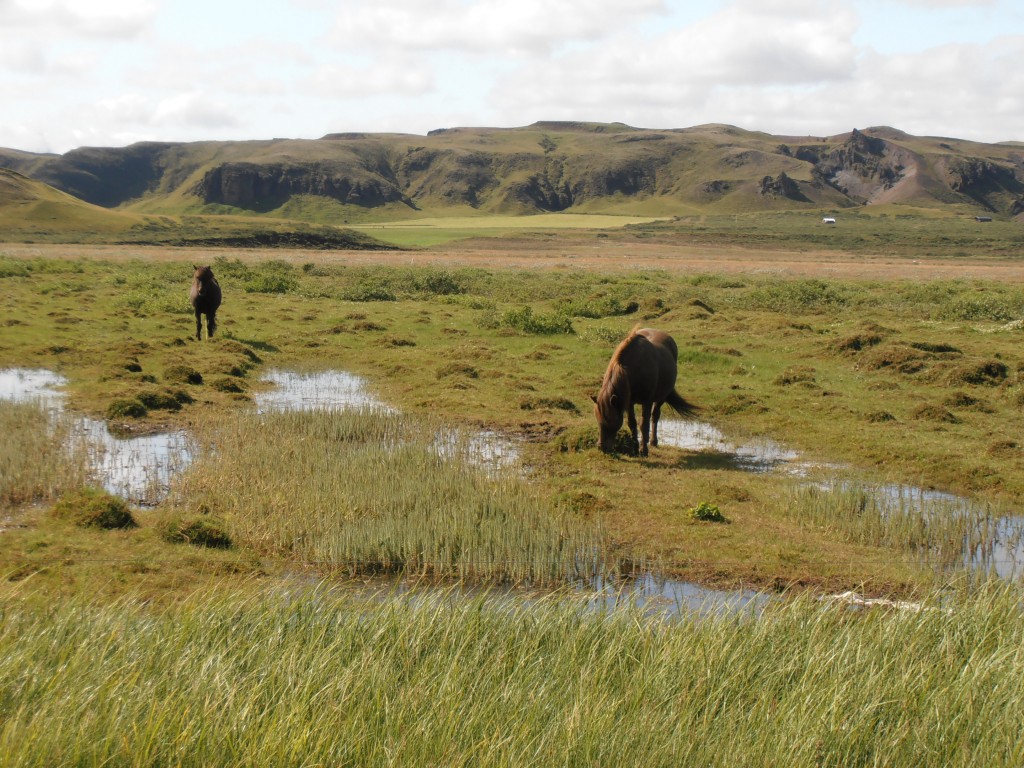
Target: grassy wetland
column 202, row 617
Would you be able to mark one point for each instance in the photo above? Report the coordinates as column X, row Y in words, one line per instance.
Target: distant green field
column 436, row 230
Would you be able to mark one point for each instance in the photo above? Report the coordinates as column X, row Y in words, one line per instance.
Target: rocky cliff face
column 862, row 167
column 267, row 186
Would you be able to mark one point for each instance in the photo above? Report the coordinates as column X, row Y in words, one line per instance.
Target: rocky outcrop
column 266, row 187
column 861, row 168
column 781, row 186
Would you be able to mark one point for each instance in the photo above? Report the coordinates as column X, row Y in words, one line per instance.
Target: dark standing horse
column 642, row 370
column 205, row 297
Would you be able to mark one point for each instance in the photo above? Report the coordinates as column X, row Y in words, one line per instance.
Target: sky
column 112, row 72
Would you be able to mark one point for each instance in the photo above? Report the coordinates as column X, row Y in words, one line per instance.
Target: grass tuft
column 91, row 507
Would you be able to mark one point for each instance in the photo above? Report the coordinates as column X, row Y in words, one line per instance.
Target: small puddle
column 1002, row 554
column 138, row 469
column 655, row 598
column 998, row 540
column 339, row 390
column 659, row 596
column 758, row 455
column 322, row 390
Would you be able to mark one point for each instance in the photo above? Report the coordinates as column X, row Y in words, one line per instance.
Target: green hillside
column 549, row 167
column 30, row 208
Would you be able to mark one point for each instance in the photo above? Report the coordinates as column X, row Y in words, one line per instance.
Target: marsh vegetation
column 851, row 386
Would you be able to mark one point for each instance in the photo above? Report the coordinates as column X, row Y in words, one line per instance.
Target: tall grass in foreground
column 940, row 530
column 375, row 491
column 315, row 679
column 35, row 464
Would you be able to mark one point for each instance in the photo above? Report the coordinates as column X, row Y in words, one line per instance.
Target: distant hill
column 29, row 207
column 545, row 167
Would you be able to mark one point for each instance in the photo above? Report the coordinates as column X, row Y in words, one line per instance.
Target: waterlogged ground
column 137, row 468
column 140, row 468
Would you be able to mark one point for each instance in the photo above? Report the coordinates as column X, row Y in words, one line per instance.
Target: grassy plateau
column 215, row 628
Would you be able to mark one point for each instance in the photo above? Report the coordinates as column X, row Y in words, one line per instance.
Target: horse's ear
column 194, row 267
column 594, row 398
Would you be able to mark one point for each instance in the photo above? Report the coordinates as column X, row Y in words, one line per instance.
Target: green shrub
column 597, row 307
column 92, row 507
column 369, row 292
column 707, row 513
column 798, row 296
column 270, row 283
column 528, row 321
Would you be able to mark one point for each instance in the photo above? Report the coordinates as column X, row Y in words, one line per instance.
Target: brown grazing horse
column 205, row 297
column 642, row 370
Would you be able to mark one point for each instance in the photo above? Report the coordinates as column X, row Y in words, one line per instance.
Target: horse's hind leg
column 645, row 426
column 211, row 323
column 655, row 416
column 199, row 325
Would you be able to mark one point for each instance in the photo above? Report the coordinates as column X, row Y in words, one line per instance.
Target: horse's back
column 660, row 340
column 650, row 360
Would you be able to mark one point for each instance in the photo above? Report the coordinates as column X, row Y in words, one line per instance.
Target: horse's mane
column 615, row 364
column 617, row 354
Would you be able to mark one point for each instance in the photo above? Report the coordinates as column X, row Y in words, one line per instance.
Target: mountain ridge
column 549, row 166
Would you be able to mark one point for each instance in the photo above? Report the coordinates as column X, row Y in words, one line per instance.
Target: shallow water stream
column 139, row 469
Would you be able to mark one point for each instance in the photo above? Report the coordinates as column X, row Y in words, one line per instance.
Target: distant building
column 828, row 220
column 983, row 218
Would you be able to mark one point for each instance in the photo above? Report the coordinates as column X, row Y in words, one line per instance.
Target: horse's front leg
column 645, row 426
column 631, row 418
column 655, row 416
column 211, row 323
column 199, row 325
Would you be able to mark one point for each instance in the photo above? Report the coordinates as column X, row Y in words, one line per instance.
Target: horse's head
column 609, row 413
column 202, row 274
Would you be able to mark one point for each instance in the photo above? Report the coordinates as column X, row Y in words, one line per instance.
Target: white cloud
column 352, row 82
column 749, row 43
column 194, row 109
column 486, row 26
column 96, row 18
column 948, row 3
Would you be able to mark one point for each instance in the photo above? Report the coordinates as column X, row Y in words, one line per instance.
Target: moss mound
column 198, row 530
column 91, row 507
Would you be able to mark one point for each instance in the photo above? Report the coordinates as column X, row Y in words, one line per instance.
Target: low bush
column 706, row 512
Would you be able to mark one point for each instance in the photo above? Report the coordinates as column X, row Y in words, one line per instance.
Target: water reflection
column 993, row 541
column 656, row 595
column 757, row 455
column 138, row 469
column 323, row 390
column 339, row 390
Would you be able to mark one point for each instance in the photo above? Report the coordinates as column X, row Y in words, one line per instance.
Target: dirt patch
column 613, row 254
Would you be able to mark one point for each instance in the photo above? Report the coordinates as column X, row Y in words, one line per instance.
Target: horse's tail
column 681, row 405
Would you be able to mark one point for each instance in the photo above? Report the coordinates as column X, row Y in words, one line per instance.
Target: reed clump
column 316, row 677
column 370, row 491
column 35, row 464
column 937, row 529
